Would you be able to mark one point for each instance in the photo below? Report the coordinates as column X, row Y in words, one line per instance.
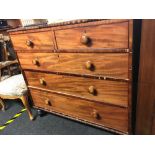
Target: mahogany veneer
column 100, row 36
column 145, row 123
column 109, row 116
column 110, row 65
column 79, row 70
column 111, row 92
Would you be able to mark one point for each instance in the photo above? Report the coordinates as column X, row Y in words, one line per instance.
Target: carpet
column 47, row 125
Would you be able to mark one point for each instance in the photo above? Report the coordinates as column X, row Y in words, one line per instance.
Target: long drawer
column 99, row 64
column 99, row 114
column 33, row 41
column 111, row 92
column 98, row 36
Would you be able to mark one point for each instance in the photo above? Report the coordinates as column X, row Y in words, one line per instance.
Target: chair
column 13, row 87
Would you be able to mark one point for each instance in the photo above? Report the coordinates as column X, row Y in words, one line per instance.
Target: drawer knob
column 85, row 39
column 42, row 81
column 92, row 90
column 89, row 65
column 35, row 62
column 29, row 43
column 95, row 114
column 47, row 102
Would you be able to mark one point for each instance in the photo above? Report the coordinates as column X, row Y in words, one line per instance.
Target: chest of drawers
column 80, row 70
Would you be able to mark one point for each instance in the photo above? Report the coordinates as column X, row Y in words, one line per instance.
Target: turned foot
column 41, row 113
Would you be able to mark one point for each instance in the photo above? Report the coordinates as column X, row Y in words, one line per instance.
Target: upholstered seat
column 13, row 86
column 4, row 77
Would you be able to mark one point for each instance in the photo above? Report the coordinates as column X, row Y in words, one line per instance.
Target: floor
column 47, row 125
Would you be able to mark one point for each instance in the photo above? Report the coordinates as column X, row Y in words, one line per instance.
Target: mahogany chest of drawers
column 80, row 70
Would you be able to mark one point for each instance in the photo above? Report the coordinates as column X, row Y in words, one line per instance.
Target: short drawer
column 33, row 41
column 102, row 115
column 98, row 36
column 111, row 65
column 106, row 91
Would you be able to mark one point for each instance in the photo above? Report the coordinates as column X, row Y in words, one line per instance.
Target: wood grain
column 147, row 68
column 146, row 102
column 112, row 65
column 111, row 92
column 59, row 57
column 65, row 25
column 41, row 41
column 146, row 84
column 101, row 36
column 109, row 116
column 153, row 126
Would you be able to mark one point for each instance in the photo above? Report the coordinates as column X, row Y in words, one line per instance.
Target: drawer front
column 111, row 65
column 33, row 41
column 104, row 115
column 100, row 36
column 111, row 92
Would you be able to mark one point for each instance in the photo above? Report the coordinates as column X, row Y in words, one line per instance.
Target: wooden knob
column 89, row 65
column 92, row 90
column 84, row 39
column 29, row 43
column 42, row 81
column 35, row 62
column 95, row 114
column 47, row 102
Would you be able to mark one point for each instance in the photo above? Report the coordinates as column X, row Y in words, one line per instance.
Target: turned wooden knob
column 95, row 114
column 89, row 65
column 47, row 102
column 85, row 39
column 29, row 43
column 35, row 61
column 92, row 90
column 42, row 81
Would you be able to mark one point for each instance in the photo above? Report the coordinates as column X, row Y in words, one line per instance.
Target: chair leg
column 2, row 104
column 0, row 74
column 26, row 104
